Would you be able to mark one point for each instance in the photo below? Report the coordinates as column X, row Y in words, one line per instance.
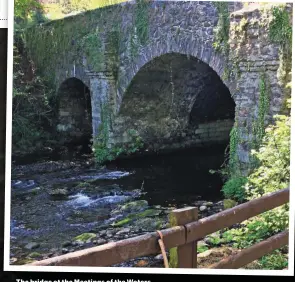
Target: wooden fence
column 183, row 235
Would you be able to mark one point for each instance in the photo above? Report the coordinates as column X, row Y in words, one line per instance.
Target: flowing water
column 55, row 201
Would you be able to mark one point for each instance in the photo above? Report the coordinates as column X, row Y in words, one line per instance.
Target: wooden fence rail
column 183, row 236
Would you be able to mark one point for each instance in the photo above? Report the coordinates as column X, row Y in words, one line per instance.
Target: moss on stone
column 131, row 217
column 134, row 206
column 228, row 203
column 149, row 212
column 85, row 237
column 122, row 222
column 34, row 255
column 24, row 261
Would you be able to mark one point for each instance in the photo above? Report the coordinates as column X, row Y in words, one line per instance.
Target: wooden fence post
column 184, row 256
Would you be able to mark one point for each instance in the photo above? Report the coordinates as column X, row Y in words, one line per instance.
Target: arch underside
column 175, row 101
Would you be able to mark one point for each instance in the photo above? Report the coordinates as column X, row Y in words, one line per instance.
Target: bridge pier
column 102, row 89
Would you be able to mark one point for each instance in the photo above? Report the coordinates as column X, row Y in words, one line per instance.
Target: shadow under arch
column 74, row 112
column 176, row 101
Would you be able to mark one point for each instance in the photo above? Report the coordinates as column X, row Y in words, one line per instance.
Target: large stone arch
column 74, row 111
column 174, row 101
column 192, row 47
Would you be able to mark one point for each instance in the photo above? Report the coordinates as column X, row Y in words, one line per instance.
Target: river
column 61, row 205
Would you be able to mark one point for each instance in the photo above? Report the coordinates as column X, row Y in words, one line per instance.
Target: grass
column 55, row 11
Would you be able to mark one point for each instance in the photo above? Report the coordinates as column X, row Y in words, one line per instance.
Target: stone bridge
column 153, row 70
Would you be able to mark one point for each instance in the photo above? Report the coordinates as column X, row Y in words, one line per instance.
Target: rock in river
column 32, row 245
column 203, row 208
column 99, row 242
column 148, row 224
column 131, row 207
column 59, row 194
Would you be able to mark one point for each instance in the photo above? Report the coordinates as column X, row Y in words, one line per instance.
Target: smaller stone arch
column 74, row 112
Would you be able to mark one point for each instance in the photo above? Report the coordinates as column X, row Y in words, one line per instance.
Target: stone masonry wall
column 104, row 48
column 258, row 61
column 202, row 135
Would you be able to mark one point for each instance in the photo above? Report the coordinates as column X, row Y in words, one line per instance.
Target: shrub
column 234, row 188
column 274, row 261
column 272, row 174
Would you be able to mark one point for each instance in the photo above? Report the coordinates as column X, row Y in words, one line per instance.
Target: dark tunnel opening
column 214, row 102
column 75, row 114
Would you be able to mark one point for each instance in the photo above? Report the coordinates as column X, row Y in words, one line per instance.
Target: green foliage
column 112, row 55
column 27, row 12
column 270, row 157
column 258, row 228
column 227, row 237
column 33, row 111
column 274, row 261
column 233, row 156
column 263, row 108
column 232, row 169
column 90, row 44
column 274, row 158
column 234, row 188
column 142, row 20
column 139, row 34
column 103, row 153
column 280, row 28
column 202, row 249
column 55, row 42
column 23, row 9
column 272, row 174
column 67, row 7
column 214, row 240
column 221, row 33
